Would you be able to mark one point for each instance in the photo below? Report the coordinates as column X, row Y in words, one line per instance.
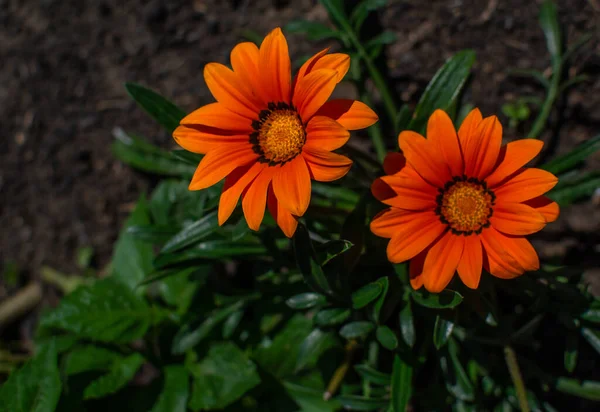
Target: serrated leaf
column 35, row 387
column 194, row 233
column 446, row 299
column 367, row 294
column 120, row 374
column 175, row 393
column 356, row 329
column 312, row 347
column 373, row 375
column 306, row 258
column 574, row 158
column 162, row 110
column 132, row 258
column 305, row 300
column 361, row 403
column 328, row 317
column 106, row 311
column 443, row 90
column 442, row 331
column 222, row 377
column 401, row 384
column 90, row 358
column 407, row 326
column 386, row 337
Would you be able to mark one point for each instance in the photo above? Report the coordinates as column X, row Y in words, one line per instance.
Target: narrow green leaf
column 367, row 294
column 356, row 329
column 386, row 337
column 441, row 331
column 309, row 398
column 593, row 338
column 407, row 326
column 152, row 233
column 232, row 323
column 330, row 250
column 328, row 317
column 387, row 37
column 162, row 110
column 361, row 12
column 305, row 300
column 120, row 374
column 444, row 300
column 314, row 30
column 571, row 351
column 574, row 158
column 35, row 387
column 582, row 188
column 190, row 158
column 306, row 259
column 443, row 90
column 401, row 385
column 373, row 375
column 193, row 233
column 385, row 284
column 106, row 311
column 175, row 393
column 335, row 9
column 361, row 403
column 583, row 389
column 591, row 315
column 210, row 250
column 537, row 75
column 457, row 380
column 549, row 23
column 222, row 377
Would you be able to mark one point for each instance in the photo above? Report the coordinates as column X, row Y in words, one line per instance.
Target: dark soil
column 63, row 65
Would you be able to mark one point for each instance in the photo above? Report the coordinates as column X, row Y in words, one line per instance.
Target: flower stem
column 553, row 93
column 340, row 372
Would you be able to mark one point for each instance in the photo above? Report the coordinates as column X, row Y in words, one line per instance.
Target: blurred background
column 63, row 64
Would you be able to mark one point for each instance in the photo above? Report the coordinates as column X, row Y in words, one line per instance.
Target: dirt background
column 63, row 64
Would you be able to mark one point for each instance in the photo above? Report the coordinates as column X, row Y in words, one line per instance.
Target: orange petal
column 424, row 158
column 548, row 208
column 500, row 258
column 218, row 116
column 244, row 60
column 415, row 269
column 471, row 262
column 512, row 157
column 234, row 185
column 324, row 133
column 218, row 163
column 482, row 147
column 441, row 262
column 309, row 66
column 275, row 67
column 339, row 62
column 517, row 219
column 351, row 114
column 255, row 198
column 291, row 185
column 412, row 192
column 202, row 139
column 382, row 191
column 285, row 220
column 469, row 127
column 410, row 232
column 393, row 163
column 440, row 130
column 326, row 166
column 230, row 91
column 312, row 91
column 525, row 184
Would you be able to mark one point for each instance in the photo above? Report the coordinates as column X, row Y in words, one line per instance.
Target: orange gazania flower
column 267, row 135
column 460, row 202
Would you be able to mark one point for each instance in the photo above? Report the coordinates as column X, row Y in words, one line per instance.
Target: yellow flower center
column 465, row 205
column 279, row 134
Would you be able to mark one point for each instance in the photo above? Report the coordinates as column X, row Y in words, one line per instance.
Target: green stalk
column 553, row 93
column 375, row 132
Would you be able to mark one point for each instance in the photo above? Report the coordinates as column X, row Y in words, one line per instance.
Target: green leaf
column 314, row 30
column 387, row 337
column 407, row 326
column 210, row 250
column 367, row 294
column 335, row 9
column 356, row 329
column 373, row 375
column 583, row 389
column 310, row 399
column 186, row 338
column 232, row 323
column 35, row 387
column 570, row 357
column 592, row 337
column 305, row 300
column 446, row 299
column 163, row 111
column 583, row 187
column 175, row 393
column 574, row 158
column 328, row 317
column 307, row 263
column 549, row 23
column 457, row 380
column 442, row 331
column 194, row 233
column 387, row 37
column 153, row 234
column 384, row 282
column 401, row 385
column 106, row 311
column 222, row 377
column 361, row 403
column 90, row 358
column 179, row 288
column 190, row 158
column 312, row 347
column 443, row 90
column 330, row 250
column 537, row 75
column 132, row 258
column 361, row 12
column 120, row 374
